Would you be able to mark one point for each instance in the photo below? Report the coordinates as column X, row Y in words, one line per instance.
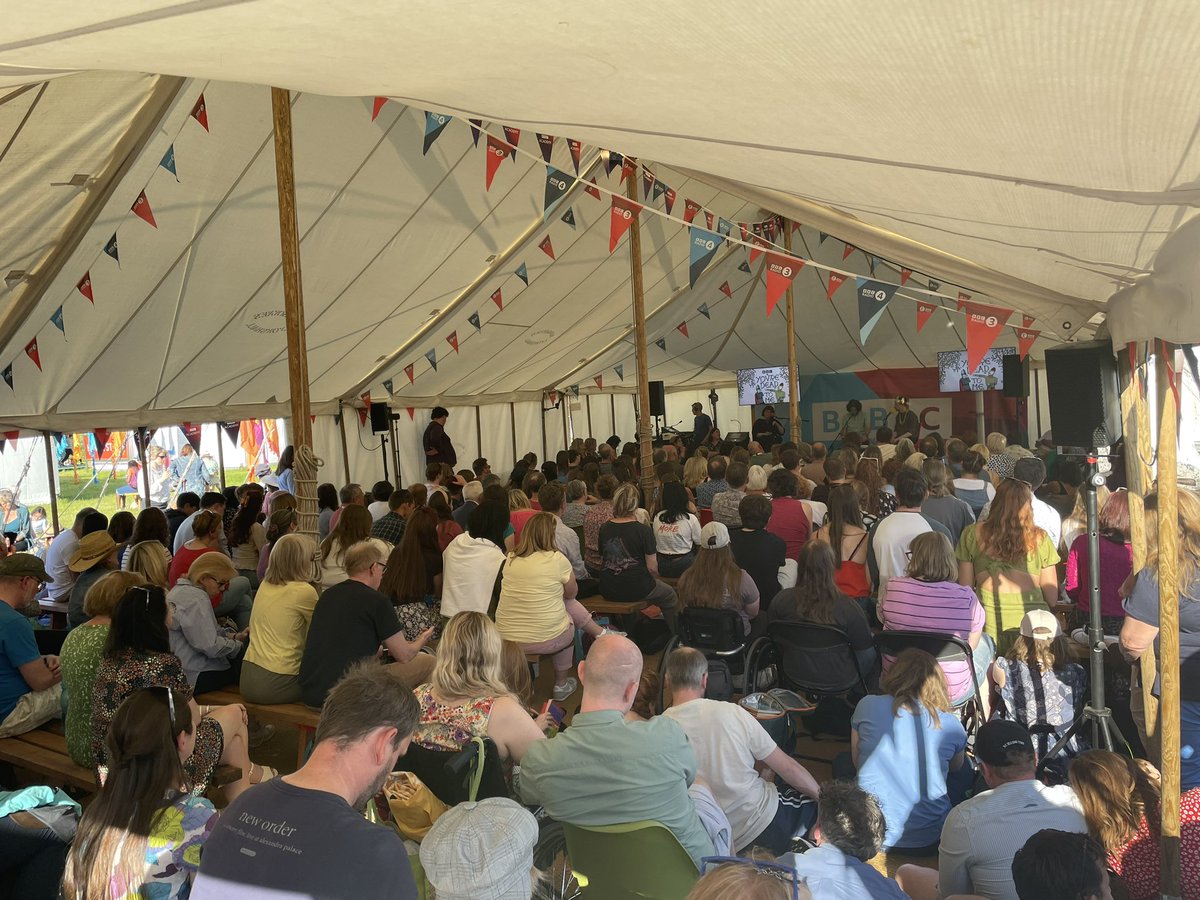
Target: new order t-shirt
column 348, row 624
column 728, row 741
column 17, row 647
column 624, row 547
column 531, row 606
column 760, row 554
column 288, row 843
column 678, row 537
column 903, row 761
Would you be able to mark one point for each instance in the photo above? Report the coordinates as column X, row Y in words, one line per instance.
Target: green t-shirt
column 80, row 658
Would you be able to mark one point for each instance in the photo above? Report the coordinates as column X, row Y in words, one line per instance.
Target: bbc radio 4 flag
column 873, row 298
column 704, row 245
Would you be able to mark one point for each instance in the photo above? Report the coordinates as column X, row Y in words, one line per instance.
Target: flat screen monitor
column 759, row 386
column 953, row 376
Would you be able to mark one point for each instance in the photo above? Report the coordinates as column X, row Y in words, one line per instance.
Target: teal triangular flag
column 168, row 161
column 432, row 357
column 744, row 267
column 523, row 274
column 569, row 217
column 473, row 318
column 703, row 310
column 620, row 370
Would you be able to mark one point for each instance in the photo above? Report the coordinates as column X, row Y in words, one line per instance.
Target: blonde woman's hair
column 537, row 535
column 149, row 559
column 104, row 595
column 744, row 881
column 1044, row 656
column 1116, row 794
column 469, row 659
column 711, row 576
column 932, row 558
column 625, row 501
column 1189, row 541
column 915, row 460
column 982, row 450
column 291, row 560
column 214, row 565
column 514, row 672
column 695, row 471
column 517, row 499
column 938, row 477
column 915, row 682
column 757, row 479
column 283, row 500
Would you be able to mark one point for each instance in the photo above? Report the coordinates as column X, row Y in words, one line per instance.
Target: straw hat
column 92, row 549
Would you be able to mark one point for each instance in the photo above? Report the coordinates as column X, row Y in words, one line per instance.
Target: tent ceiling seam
column 24, row 119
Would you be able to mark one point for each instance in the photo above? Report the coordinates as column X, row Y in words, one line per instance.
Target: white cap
column 1041, row 625
column 714, row 535
column 482, row 849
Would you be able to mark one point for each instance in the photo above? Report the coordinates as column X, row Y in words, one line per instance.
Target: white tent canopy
column 994, row 150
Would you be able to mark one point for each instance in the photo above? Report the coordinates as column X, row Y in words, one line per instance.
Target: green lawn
column 101, row 491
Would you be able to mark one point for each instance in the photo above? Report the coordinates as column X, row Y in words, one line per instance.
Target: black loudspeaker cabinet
column 1085, row 406
column 658, row 399
column 381, row 415
column 1016, row 376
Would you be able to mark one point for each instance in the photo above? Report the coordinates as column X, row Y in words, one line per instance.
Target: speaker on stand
column 1082, row 387
column 1016, row 387
column 658, row 405
column 381, row 424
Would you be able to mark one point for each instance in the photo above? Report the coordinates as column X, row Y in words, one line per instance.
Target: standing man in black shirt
column 436, row 442
column 702, row 426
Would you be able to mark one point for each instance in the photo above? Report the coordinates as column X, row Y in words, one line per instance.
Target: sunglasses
column 786, row 874
column 170, row 705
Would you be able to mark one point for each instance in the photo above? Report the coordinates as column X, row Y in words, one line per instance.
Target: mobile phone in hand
column 557, row 713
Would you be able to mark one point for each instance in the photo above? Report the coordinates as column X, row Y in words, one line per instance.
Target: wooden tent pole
column 1168, row 616
column 293, row 304
column 591, row 432
column 341, row 423
column 566, row 410
column 545, row 451
column 478, row 434
column 51, row 471
column 140, row 438
column 221, row 455
column 639, row 324
column 512, row 418
column 793, row 375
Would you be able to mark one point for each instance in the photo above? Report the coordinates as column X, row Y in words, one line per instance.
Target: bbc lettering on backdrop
column 934, row 413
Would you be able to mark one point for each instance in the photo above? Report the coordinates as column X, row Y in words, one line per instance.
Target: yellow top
column 279, row 626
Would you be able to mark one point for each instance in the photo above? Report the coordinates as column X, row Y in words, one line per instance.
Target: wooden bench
column 296, row 715
column 57, row 611
column 602, row 606
column 44, row 751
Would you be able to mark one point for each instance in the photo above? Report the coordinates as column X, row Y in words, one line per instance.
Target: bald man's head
column 610, row 674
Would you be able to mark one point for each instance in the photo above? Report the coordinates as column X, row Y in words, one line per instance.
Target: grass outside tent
column 100, row 492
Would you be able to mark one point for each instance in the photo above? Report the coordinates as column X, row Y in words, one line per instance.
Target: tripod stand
column 1104, row 730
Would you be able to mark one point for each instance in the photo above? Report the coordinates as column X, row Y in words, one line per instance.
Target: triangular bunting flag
column 100, row 436
column 365, row 397
column 141, row 209
column 690, row 208
column 682, row 328
column 821, row 238
column 363, row 413
column 599, row 379
column 473, row 318
column 168, row 161
column 658, row 189
column 873, row 298
column 934, row 286
column 781, row 272
column 452, row 340
column 924, row 311
column 984, row 324
column 412, row 412
column 669, row 199
column 435, row 124
column 612, row 161
column 377, row 106
column 476, row 129
column 498, row 298
column 628, row 168
column 546, row 144
column 709, row 219
column 523, row 273
column 836, row 280
column 703, row 310
column 200, row 112
column 726, row 289
column 408, row 370
column 905, row 274
column 557, row 184
column 513, row 137
column 85, row 285
column 744, row 266
column 648, row 181
column 847, row 249
column 661, row 344
column 497, row 152
column 756, row 229
column 575, row 147
column 1027, row 322
column 233, row 429
column 757, row 245
column 744, row 231
column 574, row 390
column 432, row 357
column 8, row 376
column 388, row 386
column 546, row 247
column 568, row 217
column 963, row 297
column 872, row 262
column 591, row 190
column 624, row 211
column 31, row 350
column 724, row 227
column 619, row 368
column 191, row 432
column 111, row 248
column 1025, row 339
column 704, row 246
column 57, row 319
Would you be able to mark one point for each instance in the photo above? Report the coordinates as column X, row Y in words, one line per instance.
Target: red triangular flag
column 1027, row 321
column 200, row 112
column 669, row 199
column 497, row 152
column 498, row 299
column 513, row 137
column 682, row 328
column 547, row 247
column 411, row 412
column 452, row 339
column 599, row 379
column 781, row 272
column 591, row 189
column 757, row 245
column 101, row 436
column 727, row 290
column 647, row 181
column 85, row 287
column 365, row 410
column 1025, row 339
column 690, row 208
column 795, row 227
column 32, row 351
column 628, row 167
column 141, row 209
column 552, row 396
column 905, row 274
column 963, row 297
column 408, row 370
column 847, row 249
column 836, row 280
column 744, row 230
column 984, row 324
column 708, row 220
column 924, row 311
column 378, row 105
column 623, row 212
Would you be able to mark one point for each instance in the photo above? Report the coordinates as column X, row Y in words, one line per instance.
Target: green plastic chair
column 630, row 861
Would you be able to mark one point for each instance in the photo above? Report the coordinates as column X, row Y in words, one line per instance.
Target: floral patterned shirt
column 172, row 852
column 444, row 727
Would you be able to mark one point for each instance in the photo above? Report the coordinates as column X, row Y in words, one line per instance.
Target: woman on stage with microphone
column 855, row 421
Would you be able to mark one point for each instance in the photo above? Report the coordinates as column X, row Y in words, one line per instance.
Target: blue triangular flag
column 57, row 319
column 435, row 124
column 168, row 161
column 724, row 226
column 935, row 285
column 432, row 357
column 473, row 318
column 614, row 161
column 619, row 369
column 557, row 184
column 111, row 248
column 659, row 189
column 575, row 390
column 7, row 376
column 569, row 217
column 661, row 344
column 872, row 262
column 873, row 298
column 387, row 386
column 704, row 246
column 523, row 274
column 821, row 236
column 337, row 418
column 703, row 310
column 744, row 266
column 476, row 125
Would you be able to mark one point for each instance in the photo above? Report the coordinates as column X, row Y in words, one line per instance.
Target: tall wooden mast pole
column 639, row 324
column 51, row 472
column 293, row 304
column 793, row 375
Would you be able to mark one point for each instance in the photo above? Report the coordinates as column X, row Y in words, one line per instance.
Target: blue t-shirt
column 17, row 647
column 903, row 762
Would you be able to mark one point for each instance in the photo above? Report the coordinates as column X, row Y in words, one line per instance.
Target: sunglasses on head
column 786, row 874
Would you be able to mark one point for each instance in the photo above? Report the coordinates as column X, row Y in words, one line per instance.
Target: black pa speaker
column 658, row 399
column 1016, row 376
column 381, row 415
column 1085, row 405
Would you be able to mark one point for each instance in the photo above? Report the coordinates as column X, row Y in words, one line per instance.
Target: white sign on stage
column 934, row 413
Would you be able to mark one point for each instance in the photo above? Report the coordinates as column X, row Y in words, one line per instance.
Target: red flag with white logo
column 623, row 212
column 682, row 328
column 408, row 370
column 905, row 274
column 547, row 247
column 141, row 209
column 1025, row 339
column 31, row 351
column 836, row 280
column 690, row 208
column 200, row 112
column 984, row 324
column 781, row 272
column 497, row 152
column 452, row 340
column 85, row 287
column 924, row 311
column 498, row 299
column 727, row 290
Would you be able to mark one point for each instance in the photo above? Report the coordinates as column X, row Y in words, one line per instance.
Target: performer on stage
column 855, row 422
column 702, row 426
column 907, row 425
column 768, row 430
column 437, row 444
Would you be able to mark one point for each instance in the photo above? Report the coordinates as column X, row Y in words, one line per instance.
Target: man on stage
column 436, row 442
column 702, row 426
column 907, row 424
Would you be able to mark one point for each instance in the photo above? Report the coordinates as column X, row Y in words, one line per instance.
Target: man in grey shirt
column 58, row 558
column 551, row 497
column 725, row 504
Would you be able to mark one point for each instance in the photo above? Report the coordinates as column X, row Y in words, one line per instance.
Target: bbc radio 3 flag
column 984, row 324
column 704, row 247
column 873, row 298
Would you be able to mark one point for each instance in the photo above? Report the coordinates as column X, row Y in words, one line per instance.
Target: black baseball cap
column 998, row 738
